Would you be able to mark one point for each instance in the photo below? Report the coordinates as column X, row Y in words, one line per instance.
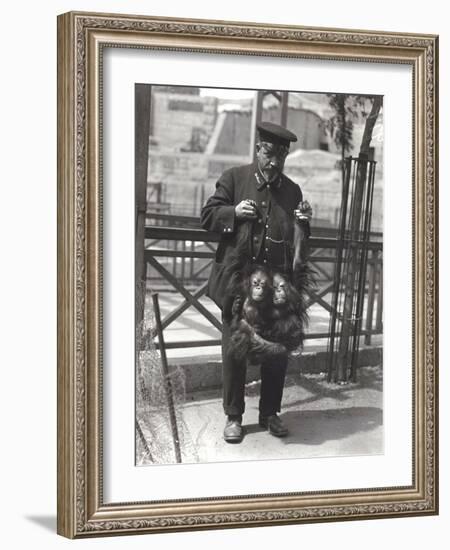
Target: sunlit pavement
column 324, row 420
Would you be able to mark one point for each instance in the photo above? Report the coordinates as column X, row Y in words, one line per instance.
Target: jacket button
column 255, row 239
column 263, row 203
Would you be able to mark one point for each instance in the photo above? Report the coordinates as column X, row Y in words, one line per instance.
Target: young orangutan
column 268, row 312
column 252, row 313
column 268, row 315
column 288, row 315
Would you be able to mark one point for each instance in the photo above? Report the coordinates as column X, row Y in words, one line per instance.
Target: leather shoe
column 233, row 432
column 274, row 424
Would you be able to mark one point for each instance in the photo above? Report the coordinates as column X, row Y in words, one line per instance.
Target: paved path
column 325, row 420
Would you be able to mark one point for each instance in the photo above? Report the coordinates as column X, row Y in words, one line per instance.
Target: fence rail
column 179, row 258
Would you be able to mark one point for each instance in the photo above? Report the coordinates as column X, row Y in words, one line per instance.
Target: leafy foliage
column 347, row 110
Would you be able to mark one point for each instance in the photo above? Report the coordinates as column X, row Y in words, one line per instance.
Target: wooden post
column 371, row 298
column 166, row 379
column 183, row 261
column 284, row 108
column 192, row 260
column 256, row 118
column 174, row 263
column 202, row 197
column 379, row 318
column 142, row 94
column 195, row 202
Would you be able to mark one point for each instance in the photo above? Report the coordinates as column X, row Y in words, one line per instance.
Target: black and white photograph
column 223, row 238
column 258, row 274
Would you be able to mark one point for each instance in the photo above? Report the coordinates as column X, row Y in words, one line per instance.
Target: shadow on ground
column 318, row 427
column 324, row 420
column 315, row 385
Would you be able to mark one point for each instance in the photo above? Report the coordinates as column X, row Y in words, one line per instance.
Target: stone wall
column 182, row 121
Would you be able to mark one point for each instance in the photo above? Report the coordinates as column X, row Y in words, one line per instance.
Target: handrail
column 193, row 234
column 188, row 252
column 175, row 220
column 180, row 234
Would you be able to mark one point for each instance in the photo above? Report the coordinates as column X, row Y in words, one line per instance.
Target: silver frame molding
column 81, row 37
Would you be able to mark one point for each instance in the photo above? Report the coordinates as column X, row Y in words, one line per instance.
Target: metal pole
column 166, row 379
column 338, row 266
column 366, row 219
column 352, row 272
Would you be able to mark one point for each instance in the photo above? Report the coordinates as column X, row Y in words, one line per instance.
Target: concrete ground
column 324, row 420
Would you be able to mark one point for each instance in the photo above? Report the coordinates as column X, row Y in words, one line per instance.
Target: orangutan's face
column 259, row 286
column 279, row 290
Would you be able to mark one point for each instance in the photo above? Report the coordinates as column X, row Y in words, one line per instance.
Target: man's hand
column 304, row 212
column 246, row 210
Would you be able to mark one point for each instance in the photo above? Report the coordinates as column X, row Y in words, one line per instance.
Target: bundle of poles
column 350, row 268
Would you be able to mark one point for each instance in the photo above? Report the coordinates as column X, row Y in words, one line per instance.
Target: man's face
column 271, row 157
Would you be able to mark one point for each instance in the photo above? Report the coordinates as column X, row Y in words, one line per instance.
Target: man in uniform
column 258, row 205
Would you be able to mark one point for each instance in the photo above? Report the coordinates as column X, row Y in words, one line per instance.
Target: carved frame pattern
column 80, row 508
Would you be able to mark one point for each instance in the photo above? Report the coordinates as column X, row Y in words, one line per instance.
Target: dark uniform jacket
column 268, row 240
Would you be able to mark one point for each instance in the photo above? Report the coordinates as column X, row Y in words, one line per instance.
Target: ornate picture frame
column 82, row 510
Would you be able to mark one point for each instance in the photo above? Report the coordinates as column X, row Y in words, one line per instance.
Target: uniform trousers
column 273, row 374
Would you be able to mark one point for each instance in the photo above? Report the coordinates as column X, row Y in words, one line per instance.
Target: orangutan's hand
column 304, row 212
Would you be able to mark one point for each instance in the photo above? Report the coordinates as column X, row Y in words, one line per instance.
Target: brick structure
column 185, row 125
column 181, row 121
